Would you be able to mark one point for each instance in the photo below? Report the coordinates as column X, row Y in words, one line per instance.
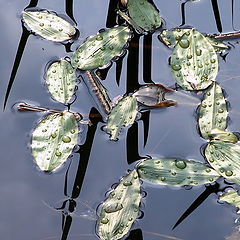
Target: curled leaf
column 153, row 95
column 176, row 172
column 48, row 25
column 99, row 50
column 224, row 158
column 223, row 136
column 194, row 63
column 144, row 14
column 54, row 139
column 231, row 197
column 123, row 114
column 212, row 111
column 61, row 80
column 120, row 209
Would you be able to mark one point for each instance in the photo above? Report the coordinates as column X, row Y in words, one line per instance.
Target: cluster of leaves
column 194, row 65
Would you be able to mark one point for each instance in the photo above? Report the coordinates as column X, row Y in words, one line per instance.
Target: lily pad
column 224, row 158
column 144, row 14
column 231, row 197
column 212, row 111
column 54, row 139
column 48, row 25
column 120, row 209
column 123, row 114
column 61, row 80
column 176, row 172
column 99, row 50
column 194, row 62
column 153, row 95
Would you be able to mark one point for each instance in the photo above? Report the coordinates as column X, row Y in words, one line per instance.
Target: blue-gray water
column 26, row 194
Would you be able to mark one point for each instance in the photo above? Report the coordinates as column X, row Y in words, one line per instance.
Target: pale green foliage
column 123, row 114
column 175, row 172
column 99, row 50
column 144, row 15
column 49, row 25
column 231, row 197
column 54, row 139
column 223, row 136
column 224, row 158
column 120, row 209
column 171, row 37
column 153, row 95
column 212, row 111
column 61, row 80
column 194, row 62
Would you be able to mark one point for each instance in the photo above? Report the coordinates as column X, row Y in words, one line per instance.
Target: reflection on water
column 98, row 163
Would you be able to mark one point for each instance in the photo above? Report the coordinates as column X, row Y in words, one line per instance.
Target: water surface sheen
column 28, row 196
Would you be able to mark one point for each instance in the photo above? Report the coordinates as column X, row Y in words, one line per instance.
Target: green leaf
column 224, row 158
column 231, row 197
column 48, row 25
column 171, row 37
column 123, row 114
column 153, row 95
column 222, row 136
column 144, row 14
column 120, row 209
column 176, row 172
column 54, row 139
column 61, row 80
column 99, row 50
column 212, row 111
column 194, row 63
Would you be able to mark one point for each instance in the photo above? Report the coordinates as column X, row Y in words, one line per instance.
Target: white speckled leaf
column 176, row 172
column 212, row 111
column 61, row 80
column 231, row 197
column 54, row 139
column 224, row 158
column 99, row 50
column 223, row 136
column 144, row 14
column 48, row 25
column 123, row 114
column 120, row 209
column 194, row 62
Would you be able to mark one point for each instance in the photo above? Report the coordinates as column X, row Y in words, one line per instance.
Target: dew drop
column 41, row 24
column 180, row 164
column 198, row 52
column 53, row 135
column 163, row 179
column 176, row 67
column 44, row 130
column 127, row 183
column 208, row 170
column 220, row 110
column 99, row 38
column 66, row 139
column 189, row 56
column 104, row 221
column 184, row 43
column 58, row 154
column 213, row 60
column 72, row 131
column 228, row 173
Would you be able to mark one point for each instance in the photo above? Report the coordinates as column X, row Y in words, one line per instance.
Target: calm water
column 28, row 196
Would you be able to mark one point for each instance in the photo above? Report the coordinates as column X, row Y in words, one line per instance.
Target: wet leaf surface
column 212, row 111
column 54, row 139
column 61, row 80
column 48, row 25
column 153, row 95
column 99, row 50
column 231, row 197
column 223, row 136
column 176, row 172
column 224, row 158
column 194, row 62
column 120, row 209
column 123, row 114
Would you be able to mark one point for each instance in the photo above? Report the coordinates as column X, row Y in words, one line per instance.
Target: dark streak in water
column 217, row 15
column 33, row 3
column 112, row 15
column 119, row 63
column 135, row 234
column 69, row 9
column 203, row 196
column 233, row 16
column 66, row 228
column 145, row 118
column 183, row 13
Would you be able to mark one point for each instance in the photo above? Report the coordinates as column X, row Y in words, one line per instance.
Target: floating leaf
column 176, row 172
column 231, row 197
column 123, row 114
column 99, row 50
column 218, row 45
column 224, row 158
column 223, row 136
column 120, row 209
column 194, row 63
column 48, row 25
column 153, row 95
column 212, row 111
column 144, row 15
column 61, row 80
column 54, row 139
